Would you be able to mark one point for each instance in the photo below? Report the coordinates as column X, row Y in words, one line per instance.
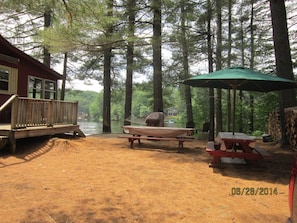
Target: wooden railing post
column 14, row 112
column 50, row 113
column 76, row 113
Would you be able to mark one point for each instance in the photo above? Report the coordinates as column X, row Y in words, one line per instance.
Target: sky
column 83, row 85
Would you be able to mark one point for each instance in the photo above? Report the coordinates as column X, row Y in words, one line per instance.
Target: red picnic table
column 236, row 145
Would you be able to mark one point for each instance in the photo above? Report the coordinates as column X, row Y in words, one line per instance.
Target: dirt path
column 100, row 179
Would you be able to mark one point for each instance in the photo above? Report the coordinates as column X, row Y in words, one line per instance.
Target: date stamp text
column 254, row 191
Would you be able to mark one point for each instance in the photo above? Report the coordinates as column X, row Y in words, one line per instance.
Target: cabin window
column 8, row 80
column 35, row 87
column 41, row 88
column 49, row 89
column 4, row 79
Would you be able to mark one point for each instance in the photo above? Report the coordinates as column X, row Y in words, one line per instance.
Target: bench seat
column 180, row 140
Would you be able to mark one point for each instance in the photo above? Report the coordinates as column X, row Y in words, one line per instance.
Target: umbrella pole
column 233, row 118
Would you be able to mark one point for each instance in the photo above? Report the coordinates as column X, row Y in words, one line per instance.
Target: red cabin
column 25, row 76
column 28, row 98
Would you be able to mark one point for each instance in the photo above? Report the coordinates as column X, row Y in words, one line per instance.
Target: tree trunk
column 219, row 116
column 252, row 47
column 188, row 96
column 229, row 116
column 47, row 23
column 240, row 124
column 106, row 91
column 283, row 58
column 106, row 77
column 251, row 118
column 242, row 46
column 64, row 76
column 211, row 136
column 157, row 58
column 130, row 57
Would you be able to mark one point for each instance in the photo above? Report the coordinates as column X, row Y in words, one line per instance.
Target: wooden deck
column 37, row 117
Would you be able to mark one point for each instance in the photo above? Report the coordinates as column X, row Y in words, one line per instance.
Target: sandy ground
column 101, row 179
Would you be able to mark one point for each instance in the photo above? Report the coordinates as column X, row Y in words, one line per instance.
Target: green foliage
column 79, row 28
column 87, row 104
column 79, row 25
column 96, row 107
column 264, row 105
column 90, row 104
column 117, row 105
column 142, row 103
column 257, row 133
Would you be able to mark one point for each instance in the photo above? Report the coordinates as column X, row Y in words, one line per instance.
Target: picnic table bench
column 237, row 145
column 180, row 140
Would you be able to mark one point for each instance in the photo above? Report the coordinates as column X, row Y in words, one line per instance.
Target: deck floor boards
column 13, row 134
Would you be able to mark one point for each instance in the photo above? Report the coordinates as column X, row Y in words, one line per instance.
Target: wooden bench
column 252, row 158
column 261, row 151
column 180, row 140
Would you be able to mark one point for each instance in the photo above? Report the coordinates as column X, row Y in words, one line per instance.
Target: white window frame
column 38, row 91
column 43, row 92
column 51, row 92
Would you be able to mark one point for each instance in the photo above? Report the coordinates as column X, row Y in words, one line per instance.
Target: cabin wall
column 23, row 66
column 5, row 115
column 24, row 71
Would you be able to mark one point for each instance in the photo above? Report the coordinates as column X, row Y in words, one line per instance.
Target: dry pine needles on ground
column 101, row 179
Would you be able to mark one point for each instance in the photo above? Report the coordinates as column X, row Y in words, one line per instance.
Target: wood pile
column 274, row 125
column 274, row 128
column 291, row 125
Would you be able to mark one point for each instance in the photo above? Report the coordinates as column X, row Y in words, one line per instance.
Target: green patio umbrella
column 240, row 78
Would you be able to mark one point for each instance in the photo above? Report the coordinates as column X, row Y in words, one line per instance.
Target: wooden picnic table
column 157, row 133
column 180, row 140
column 237, row 145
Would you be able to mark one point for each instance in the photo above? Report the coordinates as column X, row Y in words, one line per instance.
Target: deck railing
column 28, row 112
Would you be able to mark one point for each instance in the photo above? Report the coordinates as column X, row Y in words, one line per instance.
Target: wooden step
column 3, row 141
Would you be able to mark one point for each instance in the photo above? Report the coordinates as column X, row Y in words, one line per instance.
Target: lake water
column 94, row 128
